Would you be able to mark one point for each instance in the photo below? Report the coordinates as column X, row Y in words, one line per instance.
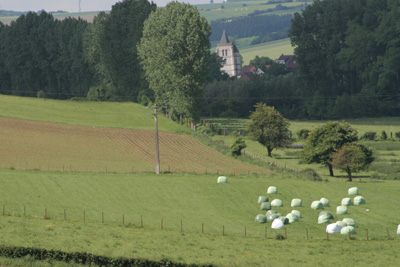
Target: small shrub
column 41, row 94
column 384, row 135
column 312, row 175
column 397, row 134
column 279, row 237
column 369, row 136
column 237, row 146
column 303, row 134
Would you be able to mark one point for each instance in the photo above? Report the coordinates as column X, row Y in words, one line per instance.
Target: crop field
column 51, row 146
column 190, row 218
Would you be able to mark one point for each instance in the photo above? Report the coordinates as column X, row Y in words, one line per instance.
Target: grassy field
column 194, row 200
column 237, row 9
column 386, row 153
column 272, row 50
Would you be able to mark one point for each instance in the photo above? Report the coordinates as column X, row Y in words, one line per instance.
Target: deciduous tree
column 352, row 157
column 175, row 52
column 327, row 139
column 268, row 127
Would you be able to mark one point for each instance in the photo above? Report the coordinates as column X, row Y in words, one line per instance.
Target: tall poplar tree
column 175, row 52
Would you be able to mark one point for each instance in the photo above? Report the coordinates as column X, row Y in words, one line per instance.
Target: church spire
column 224, row 38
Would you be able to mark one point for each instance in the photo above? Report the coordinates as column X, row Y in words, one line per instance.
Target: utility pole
column 157, row 147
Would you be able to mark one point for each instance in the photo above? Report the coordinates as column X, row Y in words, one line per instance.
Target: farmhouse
column 230, row 53
column 288, row 60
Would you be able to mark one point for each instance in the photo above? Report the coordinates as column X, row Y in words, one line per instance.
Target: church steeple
column 229, row 52
column 224, row 38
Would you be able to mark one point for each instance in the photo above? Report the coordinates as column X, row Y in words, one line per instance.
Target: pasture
column 194, row 200
column 386, row 152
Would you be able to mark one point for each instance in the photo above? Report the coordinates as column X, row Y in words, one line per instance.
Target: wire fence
column 147, row 222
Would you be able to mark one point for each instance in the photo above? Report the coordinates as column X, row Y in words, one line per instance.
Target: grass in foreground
column 196, row 200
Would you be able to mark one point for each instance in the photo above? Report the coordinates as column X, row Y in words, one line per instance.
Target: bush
column 312, row 175
column 383, row 135
column 237, row 146
column 397, row 134
column 369, row 136
column 41, row 94
column 303, row 134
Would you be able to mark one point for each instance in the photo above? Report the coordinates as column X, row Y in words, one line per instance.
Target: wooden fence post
column 366, row 230
column 307, row 233
column 45, row 213
column 65, row 215
column 102, row 217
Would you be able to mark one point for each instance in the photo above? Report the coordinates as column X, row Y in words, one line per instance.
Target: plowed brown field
column 26, row 144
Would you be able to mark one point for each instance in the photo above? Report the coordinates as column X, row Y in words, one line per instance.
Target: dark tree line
column 42, row 56
column 349, row 66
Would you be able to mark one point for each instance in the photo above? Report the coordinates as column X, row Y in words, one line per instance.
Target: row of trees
column 333, row 144
column 135, row 53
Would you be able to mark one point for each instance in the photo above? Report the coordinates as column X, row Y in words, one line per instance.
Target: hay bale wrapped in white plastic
column 277, row 224
column 359, row 200
column 323, row 219
column 349, row 222
column 296, row 212
column 277, row 203
column 342, row 210
column 342, row 224
column 327, row 213
column 353, row 191
column 347, row 229
column 262, row 199
column 292, row 217
column 222, row 180
column 272, row 190
column 325, row 202
column 265, row 206
column 398, row 229
column 317, row 205
column 272, row 217
column 333, row 228
column 296, row 202
column 347, row 201
column 260, row 218
column 284, row 219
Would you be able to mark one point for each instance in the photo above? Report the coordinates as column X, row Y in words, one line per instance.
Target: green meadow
column 184, row 217
column 143, row 215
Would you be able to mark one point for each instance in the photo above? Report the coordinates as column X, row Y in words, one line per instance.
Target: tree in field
column 238, row 146
column 269, row 128
column 175, row 52
column 352, row 157
column 119, row 35
column 326, row 139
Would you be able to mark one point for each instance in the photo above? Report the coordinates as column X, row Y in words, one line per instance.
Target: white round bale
column 347, row 229
column 349, row 221
column 353, row 191
column 323, row 219
column 262, row 199
column 296, row 202
column 398, row 229
column 277, row 203
column 317, row 205
column 272, row 190
column 333, row 228
column 325, row 202
column 277, row 224
column 347, row 201
column 260, row 218
column 265, row 206
column 296, row 212
column 222, row 180
column 359, row 200
column 342, row 210
column 292, row 217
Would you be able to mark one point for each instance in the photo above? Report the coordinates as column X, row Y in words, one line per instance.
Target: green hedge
column 86, row 258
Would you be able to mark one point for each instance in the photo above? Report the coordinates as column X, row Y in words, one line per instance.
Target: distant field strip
column 26, row 144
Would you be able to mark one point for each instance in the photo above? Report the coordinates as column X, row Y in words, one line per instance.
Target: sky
column 73, row 5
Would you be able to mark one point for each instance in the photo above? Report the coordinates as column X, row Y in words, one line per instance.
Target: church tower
column 230, row 53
